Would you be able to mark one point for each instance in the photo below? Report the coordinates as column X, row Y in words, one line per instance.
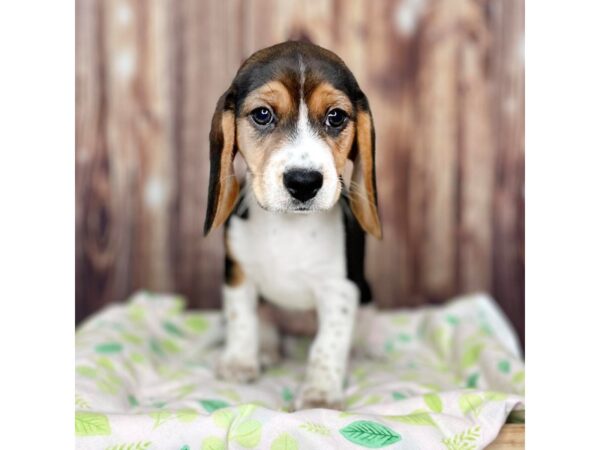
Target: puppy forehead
column 319, row 96
column 299, row 68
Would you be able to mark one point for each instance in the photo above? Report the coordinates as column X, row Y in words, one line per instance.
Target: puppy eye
column 262, row 116
column 335, row 118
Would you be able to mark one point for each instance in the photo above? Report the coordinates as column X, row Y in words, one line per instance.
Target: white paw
column 318, row 397
column 237, row 369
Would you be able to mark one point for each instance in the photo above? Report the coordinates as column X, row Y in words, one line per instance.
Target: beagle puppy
column 295, row 237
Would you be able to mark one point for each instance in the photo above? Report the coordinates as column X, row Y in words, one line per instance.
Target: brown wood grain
column 511, row 437
column 445, row 83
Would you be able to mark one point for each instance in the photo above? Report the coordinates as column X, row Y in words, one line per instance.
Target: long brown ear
column 223, row 187
column 363, row 189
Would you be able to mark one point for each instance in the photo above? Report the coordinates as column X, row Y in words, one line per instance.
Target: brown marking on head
column 323, row 97
column 274, row 94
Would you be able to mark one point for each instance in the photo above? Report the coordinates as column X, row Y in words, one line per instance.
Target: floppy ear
column 363, row 189
column 223, row 187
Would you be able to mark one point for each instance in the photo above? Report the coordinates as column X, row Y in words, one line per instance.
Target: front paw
column 318, row 397
column 237, row 369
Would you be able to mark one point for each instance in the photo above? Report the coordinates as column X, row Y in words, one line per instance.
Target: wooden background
column 445, row 79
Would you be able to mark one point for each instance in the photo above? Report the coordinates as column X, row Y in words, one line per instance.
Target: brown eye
column 335, row 118
column 262, row 116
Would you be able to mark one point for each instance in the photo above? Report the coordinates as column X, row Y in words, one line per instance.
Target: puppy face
column 296, row 114
column 295, row 140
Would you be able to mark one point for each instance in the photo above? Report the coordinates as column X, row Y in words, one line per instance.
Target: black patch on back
column 228, row 269
column 355, row 253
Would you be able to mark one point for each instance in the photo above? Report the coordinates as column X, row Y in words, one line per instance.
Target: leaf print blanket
column 443, row 377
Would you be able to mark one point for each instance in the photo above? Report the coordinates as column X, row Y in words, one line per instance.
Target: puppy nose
column 303, row 184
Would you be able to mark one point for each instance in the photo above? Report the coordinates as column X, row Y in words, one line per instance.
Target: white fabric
column 430, row 378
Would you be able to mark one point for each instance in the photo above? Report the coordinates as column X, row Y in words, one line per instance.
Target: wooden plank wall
column 445, row 81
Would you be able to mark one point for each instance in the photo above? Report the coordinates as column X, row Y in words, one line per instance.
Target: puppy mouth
column 301, row 209
column 293, row 206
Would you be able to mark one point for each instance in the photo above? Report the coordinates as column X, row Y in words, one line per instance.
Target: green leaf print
column 86, row 371
column 80, row 402
column 185, row 390
column 109, row 385
column 106, row 364
column 287, row 395
column 213, row 405
column 472, row 380
column 316, row 428
column 467, row 440
column 285, row 441
column 471, row 355
column 173, row 329
column 213, row 443
column 133, row 402
column 136, row 313
column 138, row 358
column 519, row 377
column 452, row 320
column 160, row 417
column 245, row 410
column 398, row 395
column 141, row 445
column 504, row 366
column 400, row 319
column 369, row 434
column 91, row 424
column 434, row 402
column 186, row 415
column 108, row 348
column 417, row 417
column 440, row 338
column 196, row 323
column 178, row 306
column 404, row 337
column 494, row 396
column 170, row 346
column 132, row 338
column 373, row 399
column 229, row 394
column 223, row 417
column 354, row 399
column 360, row 373
column 247, row 433
column 471, row 403
column 156, row 347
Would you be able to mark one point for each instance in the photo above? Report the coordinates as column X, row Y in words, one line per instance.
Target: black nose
column 303, row 184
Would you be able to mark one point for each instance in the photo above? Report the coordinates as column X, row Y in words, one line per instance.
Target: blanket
column 437, row 377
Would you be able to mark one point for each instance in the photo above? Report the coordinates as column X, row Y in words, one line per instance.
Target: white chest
column 288, row 256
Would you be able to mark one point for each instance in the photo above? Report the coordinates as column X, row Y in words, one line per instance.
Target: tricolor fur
column 296, row 114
